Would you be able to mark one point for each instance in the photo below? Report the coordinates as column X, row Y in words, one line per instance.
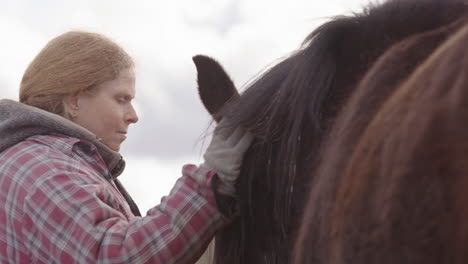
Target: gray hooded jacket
column 19, row 121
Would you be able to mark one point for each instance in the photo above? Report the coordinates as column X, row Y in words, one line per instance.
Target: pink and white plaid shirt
column 59, row 205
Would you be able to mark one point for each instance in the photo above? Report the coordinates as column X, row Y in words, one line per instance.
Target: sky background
column 245, row 36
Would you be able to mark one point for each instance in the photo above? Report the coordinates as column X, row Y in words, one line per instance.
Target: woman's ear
column 70, row 106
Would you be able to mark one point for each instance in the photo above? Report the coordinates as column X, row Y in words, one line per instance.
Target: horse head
column 291, row 108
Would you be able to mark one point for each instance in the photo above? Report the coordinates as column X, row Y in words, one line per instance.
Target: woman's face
column 108, row 111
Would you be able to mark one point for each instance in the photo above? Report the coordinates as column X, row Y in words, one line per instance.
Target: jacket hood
column 19, row 121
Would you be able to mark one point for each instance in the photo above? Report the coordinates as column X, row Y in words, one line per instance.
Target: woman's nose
column 132, row 116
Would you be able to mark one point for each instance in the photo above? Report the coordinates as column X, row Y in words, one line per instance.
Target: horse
column 379, row 84
column 401, row 196
column 290, row 109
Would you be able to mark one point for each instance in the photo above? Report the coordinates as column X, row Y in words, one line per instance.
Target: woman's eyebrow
column 125, row 94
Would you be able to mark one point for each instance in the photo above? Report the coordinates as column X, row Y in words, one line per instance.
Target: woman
column 59, row 164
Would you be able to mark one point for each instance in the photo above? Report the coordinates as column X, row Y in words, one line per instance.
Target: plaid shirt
column 59, row 205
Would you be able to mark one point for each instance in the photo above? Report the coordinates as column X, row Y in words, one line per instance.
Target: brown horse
column 290, row 109
column 401, row 197
column 390, row 71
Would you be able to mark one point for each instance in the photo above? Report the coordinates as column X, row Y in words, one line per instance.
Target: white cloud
column 149, row 179
column 16, row 53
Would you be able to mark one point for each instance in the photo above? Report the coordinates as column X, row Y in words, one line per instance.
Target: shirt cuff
column 227, row 205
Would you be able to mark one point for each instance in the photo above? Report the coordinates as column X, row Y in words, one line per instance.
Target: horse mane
column 388, row 73
column 290, row 108
column 402, row 198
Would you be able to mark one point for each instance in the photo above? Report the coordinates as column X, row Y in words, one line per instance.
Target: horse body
column 290, row 110
column 315, row 239
column 401, row 197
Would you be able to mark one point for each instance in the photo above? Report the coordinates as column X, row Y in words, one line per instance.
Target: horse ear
column 215, row 87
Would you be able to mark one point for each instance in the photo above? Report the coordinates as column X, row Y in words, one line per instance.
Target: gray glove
column 224, row 155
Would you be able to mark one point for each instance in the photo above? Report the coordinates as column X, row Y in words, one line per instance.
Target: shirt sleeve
column 67, row 222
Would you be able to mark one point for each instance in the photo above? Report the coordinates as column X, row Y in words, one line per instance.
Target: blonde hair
column 73, row 62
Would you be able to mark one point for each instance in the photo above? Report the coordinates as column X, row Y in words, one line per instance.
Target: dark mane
column 390, row 71
column 290, row 110
column 402, row 197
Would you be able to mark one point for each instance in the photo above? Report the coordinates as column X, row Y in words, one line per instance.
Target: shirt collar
column 19, row 121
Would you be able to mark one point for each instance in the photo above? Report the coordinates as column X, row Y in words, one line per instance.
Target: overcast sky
column 244, row 35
